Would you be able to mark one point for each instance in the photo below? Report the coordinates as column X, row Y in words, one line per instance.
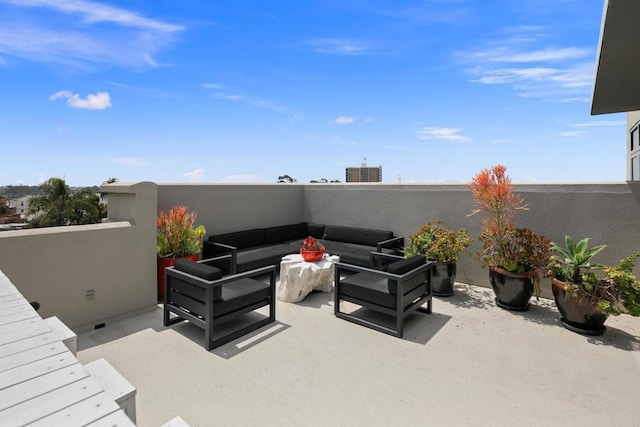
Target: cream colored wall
column 56, row 266
column 633, row 118
column 606, row 212
column 231, row 207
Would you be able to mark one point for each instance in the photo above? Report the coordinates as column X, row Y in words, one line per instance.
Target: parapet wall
column 116, row 261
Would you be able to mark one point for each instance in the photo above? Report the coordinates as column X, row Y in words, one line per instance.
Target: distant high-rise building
column 364, row 173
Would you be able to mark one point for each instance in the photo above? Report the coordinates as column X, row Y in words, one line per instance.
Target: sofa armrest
column 396, row 243
column 214, row 249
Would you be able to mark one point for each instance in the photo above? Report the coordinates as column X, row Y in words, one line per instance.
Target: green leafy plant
column 177, row 235
column 570, row 262
column 437, row 242
column 612, row 289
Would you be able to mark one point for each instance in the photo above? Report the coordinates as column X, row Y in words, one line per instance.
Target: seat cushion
column 239, row 294
column 260, row 257
column 368, row 287
column 349, row 253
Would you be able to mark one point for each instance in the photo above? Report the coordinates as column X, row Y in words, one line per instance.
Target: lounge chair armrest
column 357, row 269
column 393, row 243
column 377, row 258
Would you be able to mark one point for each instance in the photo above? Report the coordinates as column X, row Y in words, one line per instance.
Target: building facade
column 633, row 146
column 364, row 173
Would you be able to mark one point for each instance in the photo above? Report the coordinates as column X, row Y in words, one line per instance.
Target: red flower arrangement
column 504, row 245
column 312, row 250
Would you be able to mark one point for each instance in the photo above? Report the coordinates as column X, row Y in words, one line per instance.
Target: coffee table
column 298, row 277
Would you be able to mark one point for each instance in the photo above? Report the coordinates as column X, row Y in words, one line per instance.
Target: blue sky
column 245, row 91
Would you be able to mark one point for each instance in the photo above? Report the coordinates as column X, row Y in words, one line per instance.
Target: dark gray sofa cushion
column 285, row 233
column 203, row 271
column 241, row 239
column 349, row 253
column 266, row 255
column 315, row 230
column 402, row 267
column 368, row 287
column 360, row 236
column 240, row 293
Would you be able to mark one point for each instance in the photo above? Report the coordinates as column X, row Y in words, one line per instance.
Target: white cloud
column 543, row 55
column 61, row 32
column 215, row 86
column 601, row 123
column 196, row 175
column 368, row 119
column 520, row 60
column 446, row 134
column 574, row 133
column 337, row 46
column 97, row 12
column 344, row 120
column 97, row 101
column 250, row 100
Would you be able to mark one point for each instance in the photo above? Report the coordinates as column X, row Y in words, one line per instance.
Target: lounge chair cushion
column 203, row 271
column 240, row 293
column 402, row 267
column 368, row 287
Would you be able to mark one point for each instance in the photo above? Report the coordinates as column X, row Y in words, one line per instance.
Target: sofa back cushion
column 241, row 239
column 360, row 236
column 285, row 233
column 402, row 267
column 315, row 230
column 204, row 272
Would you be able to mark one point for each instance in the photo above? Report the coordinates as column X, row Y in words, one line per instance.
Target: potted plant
column 177, row 238
column 585, row 293
column 516, row 257
column 312, row 250
column 443, row 246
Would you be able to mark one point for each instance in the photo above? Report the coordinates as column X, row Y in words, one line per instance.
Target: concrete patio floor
column 469, row 363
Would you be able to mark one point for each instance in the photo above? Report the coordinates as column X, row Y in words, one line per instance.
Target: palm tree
column 49, row 206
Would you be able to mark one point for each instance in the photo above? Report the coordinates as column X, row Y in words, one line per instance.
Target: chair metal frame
column 407, row 302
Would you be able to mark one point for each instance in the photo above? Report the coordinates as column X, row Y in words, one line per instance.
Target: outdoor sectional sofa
column 259, row 247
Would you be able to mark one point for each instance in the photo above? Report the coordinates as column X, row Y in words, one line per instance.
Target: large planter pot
column 311, row 256
column 512, row 290
column 577, row 315
column 164, row 263
column 443, row 278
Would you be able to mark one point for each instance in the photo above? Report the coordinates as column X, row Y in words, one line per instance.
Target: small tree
column 286, row 179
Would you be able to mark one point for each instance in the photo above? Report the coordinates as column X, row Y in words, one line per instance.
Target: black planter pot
column 513, row 290
column 444, row 276
column 577, row 316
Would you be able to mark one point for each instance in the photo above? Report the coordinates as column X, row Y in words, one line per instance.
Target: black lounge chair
column 397, row 287
column 198, row 292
